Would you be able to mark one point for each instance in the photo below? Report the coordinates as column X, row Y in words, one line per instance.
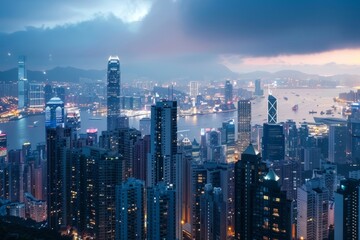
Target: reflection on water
column 309, row 99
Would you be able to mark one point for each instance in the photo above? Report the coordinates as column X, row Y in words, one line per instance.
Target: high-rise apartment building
column 313, row 210
column 130, row 210
column 113, row 92
column 161, row 212
column 163, row 149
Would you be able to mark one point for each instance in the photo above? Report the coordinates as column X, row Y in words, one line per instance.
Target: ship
column 295, row 107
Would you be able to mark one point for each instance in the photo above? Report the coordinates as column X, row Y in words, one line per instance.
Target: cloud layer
column 83, row 33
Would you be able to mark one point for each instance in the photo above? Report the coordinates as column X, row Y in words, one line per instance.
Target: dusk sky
column 314, row 36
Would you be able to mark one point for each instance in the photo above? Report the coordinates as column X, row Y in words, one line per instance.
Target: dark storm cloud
column 83, row 33
column 264, row 27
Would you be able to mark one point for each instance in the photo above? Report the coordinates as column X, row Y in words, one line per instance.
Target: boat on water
column 295, row 107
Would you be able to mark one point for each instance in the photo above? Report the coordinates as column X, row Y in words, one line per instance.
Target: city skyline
column 191, row 132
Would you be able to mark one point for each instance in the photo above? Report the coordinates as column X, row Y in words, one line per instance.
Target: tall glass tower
column 113, row 92
column 244, row 124
column 22, row 83
column 272, row 109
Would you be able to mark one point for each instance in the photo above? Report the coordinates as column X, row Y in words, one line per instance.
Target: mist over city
column 180, row 120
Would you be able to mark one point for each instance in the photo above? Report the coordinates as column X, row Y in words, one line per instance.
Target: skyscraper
column 273, row 142
column 161, row 212
column 54, row 113
column 337, row 143
column 354, row 129
column 272, row 109
column 36, row 96
column 163, row 149
column 23, row 84
column 244, row 124
column 248, row 173
column 258, row 90
column 228, row 92
column 347, row 221
column 272, row 211
column 313, row 210
column 194, row 89
column 130, row 210
column 48, row 93
column 212, row 216
column 113, row 92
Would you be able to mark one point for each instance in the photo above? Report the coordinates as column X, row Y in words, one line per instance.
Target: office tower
column 291, row 139
column 23, row 84
column 36, row 208
column 48, row 93
column 272, row 212
column 91, row 136
column 98, row 177
column 313, row 209
column 328, row 173
column 161, row 212
column 347, row 217
column 141, row 151
column 73, row 118
column 248, row 173
column 258, row 90
column 113, row 92
column 122, row 122
column 228, row 138
column 163, row 149
column 58, row 140
column 354, row 129
column 289, row 172
column 244, row 124
column 311, row 157
column 212, row 214
column 17, row 209
column 272, row 109
column 60, row 93
column 36, row 96
column 15, row 187
column 273, row 142
column 130, row 210
column 228, row 92
column 127, row 137
column 215, row 149
column 144, row 126
column 3, row 146
column 194, row 89
column 54, row 113
column 337, row 143
column 198, row 181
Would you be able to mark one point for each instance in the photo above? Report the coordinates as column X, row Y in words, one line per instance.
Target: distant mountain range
column 162, row 73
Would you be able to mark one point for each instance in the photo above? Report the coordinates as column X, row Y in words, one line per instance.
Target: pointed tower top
column 250, row 150
column 271, row 175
